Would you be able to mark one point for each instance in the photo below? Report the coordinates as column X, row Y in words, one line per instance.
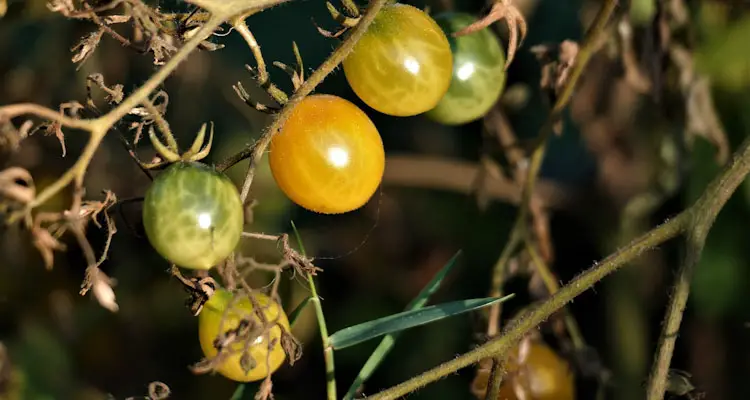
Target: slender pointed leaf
column 298, row 311
column 385, row 346
column 409, row 319
column 238, row 392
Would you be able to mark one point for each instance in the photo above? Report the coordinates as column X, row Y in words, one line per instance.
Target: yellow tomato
column 403, row 64
column 328, row 157
column 542, row 375
column 265, row 350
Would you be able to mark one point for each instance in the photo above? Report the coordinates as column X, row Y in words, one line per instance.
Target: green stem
column 517, row 328
column 327, row 349
column 702, row 216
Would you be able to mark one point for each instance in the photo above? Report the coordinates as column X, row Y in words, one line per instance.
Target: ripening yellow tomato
column 542, row 375
column 403, row 64
column 265, row 351
column 328, row 157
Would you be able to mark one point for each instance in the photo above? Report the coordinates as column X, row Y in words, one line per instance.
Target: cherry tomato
column 542, row 375
column 402, row 65
column 328, row 157
column 265, row 352
column 193, row 215
column 478, row 72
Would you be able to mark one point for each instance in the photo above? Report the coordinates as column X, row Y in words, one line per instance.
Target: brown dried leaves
column 517, row 28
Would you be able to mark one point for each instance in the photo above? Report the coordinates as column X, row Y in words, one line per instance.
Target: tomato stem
column 327, row 349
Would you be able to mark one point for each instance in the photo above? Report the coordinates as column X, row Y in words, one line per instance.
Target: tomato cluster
column 327, row 157
column 408, row 63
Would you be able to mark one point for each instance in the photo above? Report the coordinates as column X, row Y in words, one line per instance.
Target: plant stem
column 142, row 93
column 496, row 379
column 256, row 151
column 589, row 47
column 702, row 216
column 552, row 285
column 696, row 221
column 517, row 328
column 327, row 349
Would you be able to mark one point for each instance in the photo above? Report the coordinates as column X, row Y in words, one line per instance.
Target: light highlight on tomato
column 402, row 65
column 193, row 215
column 328, row 157
column 478, row 72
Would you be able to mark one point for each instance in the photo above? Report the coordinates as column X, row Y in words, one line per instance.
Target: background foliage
column 610, row 154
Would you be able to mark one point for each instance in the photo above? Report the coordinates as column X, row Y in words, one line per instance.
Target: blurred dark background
column 626, row 160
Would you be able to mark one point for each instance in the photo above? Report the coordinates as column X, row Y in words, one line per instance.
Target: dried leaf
column 158, row 391
column 700, row 112
column 502, row 10
column 46, row 244
column 85, row 48
column 105, row 295
column 17, row 184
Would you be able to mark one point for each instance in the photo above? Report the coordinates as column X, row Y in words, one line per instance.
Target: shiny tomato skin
column 402, row 65
column 193, row 215
column 478, row 72
column 265, row 350
column 328, row 157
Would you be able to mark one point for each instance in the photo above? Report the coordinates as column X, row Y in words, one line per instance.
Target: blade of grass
column 327, row 349
column 298, row 310
column 385, row 346
column 409, row 319
column 237, row 395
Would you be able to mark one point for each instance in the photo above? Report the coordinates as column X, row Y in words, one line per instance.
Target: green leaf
column 237, row 395
column 409, row 319
column 725, row 57
column 298, row 310
column 388, row 341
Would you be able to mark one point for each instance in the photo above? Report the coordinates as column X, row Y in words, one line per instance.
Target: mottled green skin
column 179, row 199
column 471, row 98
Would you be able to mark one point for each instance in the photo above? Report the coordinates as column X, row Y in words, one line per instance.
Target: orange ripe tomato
column 541, row 375
column 328, row 157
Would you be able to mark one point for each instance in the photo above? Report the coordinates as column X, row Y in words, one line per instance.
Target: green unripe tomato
column 478, row 72
column 193, row 215
column 265, row 350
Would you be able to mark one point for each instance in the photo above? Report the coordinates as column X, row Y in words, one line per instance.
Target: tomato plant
column 193, row 215
column 402, row 65
column 265, row 351
column 539, row 374
column 478, row 72
column 328, row 157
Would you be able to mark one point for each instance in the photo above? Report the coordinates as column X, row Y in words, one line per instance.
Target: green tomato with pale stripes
column 478, row 72
column 193, row 215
